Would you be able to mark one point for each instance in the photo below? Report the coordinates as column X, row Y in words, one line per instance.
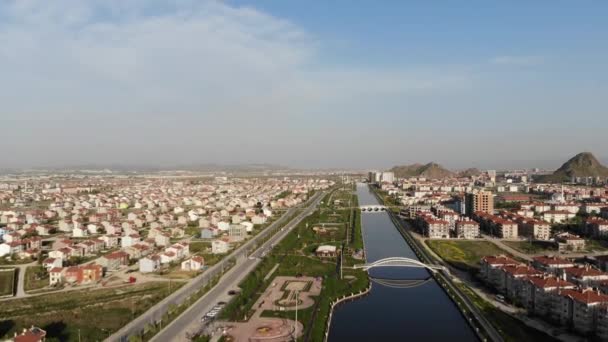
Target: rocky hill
column 469, row 172
column 582, row 165
column 430, row 170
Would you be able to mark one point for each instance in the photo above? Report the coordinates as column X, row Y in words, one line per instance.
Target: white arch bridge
column 373, row 208
column 399, row 262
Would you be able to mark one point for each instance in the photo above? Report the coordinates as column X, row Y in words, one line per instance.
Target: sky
column 307, row 84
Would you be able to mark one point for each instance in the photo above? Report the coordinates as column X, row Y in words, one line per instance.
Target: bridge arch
column 399, row 262
column 373, row 208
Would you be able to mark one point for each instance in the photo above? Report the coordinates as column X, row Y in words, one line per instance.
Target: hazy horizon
column 301, row 84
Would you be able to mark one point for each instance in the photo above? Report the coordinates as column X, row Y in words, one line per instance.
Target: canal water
column 396, row 313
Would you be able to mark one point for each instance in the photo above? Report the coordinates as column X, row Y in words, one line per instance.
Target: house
column 50, row 263
column 195, row 263
column 129, row 240
column 585, row 275
column 83, row 275
column 207, row 233
column 167, row 257
column 326, row 251
column 113, row 261
column 10, row 248
column 597, row 227
column 55, row 275
column 204, row 223
column 557, row 216
column 162, row 239
column 535, row 229
column 62, row 253
column 80, row 232
column 491, row 268
column 149, row 264
column 434, row 228
column 551, row 264
column 178, row 232
column 539, row 294
column 219, row 246
column 33, row 334
column 467, row 229
column 93, row 228
column 581, row 309
column 90, row 274
column 567, row 242
column 259, row 219
column 237, row 232
column 512, row 283
column 43, row 230
column 181, row 250
column 110, row 241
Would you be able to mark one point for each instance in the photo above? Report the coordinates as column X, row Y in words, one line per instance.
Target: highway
column 243, row 266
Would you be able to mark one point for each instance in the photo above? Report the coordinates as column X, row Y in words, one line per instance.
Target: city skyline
column 163, row 83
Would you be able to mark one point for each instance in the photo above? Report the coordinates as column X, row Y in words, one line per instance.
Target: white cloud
column 165, row 80
column 85, row 57
column 517, row 60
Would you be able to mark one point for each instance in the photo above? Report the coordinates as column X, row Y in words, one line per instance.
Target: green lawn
column 199, row 246
column 36, row 278
column 511, row 329
column 464, row 255
column 7, row 281
column 534, row 247
column 95, row 314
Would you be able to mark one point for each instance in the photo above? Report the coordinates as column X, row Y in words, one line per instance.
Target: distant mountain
column 469, row 172
column 431, row 170
column 582, row 165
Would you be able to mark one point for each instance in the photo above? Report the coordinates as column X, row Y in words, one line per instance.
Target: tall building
column 479, row 201
column 492, row 175
column 388, row 177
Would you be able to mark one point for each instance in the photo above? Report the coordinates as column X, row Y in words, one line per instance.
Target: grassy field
column 95, row 314
column 464, row 255
column 294, row 256
column 199, row 246
column 7, row 282
column 511, row 329
column 534, row 247
column 36, row 278
column 596, row 245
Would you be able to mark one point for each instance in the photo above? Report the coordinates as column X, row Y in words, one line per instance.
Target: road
column 189, row 321
column 155, row 313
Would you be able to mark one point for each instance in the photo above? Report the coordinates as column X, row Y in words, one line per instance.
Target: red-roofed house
column 585, row 275
column 551, row 264
column 195, row 263
column 580, row 309
column 539, row 294
column 491, row 268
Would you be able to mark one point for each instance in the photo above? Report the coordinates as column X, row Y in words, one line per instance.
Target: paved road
column 189, row 321
column 155, row 313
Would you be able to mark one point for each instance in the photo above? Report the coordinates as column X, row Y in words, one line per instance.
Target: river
column 387, row 313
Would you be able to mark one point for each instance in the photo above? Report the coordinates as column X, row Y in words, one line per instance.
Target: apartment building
column 467, row 229
column 482, row 201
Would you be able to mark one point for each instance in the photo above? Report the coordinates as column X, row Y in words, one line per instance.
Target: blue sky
column 355, row 84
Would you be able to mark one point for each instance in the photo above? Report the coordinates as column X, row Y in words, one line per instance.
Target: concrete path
column 505, row 247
